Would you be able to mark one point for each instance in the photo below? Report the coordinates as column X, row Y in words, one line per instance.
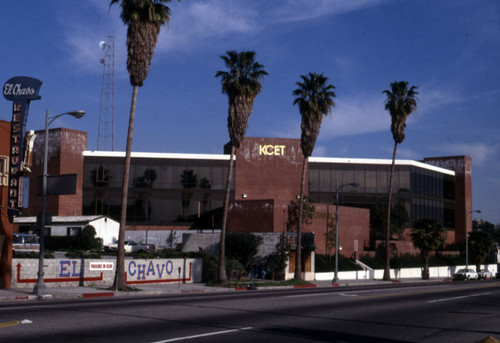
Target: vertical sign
column 21, row 90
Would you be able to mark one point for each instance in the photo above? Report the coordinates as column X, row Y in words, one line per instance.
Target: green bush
column 235, row 269
column 86, row 241
column 275, row 263
column 33, row 255
column 242, row 246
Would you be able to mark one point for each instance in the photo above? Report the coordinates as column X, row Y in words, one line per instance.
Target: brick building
column 186, row 191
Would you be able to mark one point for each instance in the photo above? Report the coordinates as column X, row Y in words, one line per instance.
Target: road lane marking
column 203, row 335
column 19, row 322
column 455, row 298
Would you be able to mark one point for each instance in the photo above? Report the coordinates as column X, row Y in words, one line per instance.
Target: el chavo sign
column 20, row 90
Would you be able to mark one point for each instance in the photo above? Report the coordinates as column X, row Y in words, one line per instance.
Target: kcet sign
column 21, row 90
column 276, row 150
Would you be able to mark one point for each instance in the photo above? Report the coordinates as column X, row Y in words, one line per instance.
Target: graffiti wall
column 79, row 272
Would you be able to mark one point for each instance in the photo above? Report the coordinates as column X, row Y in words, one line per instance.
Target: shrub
column 242, row 246
column 86, row 241
column 275, row 263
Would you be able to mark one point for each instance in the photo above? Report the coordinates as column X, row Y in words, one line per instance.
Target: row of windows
column 169, row 190
column 325, row 177
column 157, row 174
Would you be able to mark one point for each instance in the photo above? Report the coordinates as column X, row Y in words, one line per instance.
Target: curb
column 98, row 295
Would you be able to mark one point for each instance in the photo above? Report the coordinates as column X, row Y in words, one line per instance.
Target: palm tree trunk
column 298, row 253
column 387, row 272
column 120, row 259
column 222, row 245
column 425, row 273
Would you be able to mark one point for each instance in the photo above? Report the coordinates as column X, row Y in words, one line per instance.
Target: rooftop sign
column 22, row 88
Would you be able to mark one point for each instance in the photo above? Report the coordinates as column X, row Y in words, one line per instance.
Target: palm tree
column 242, row 84
column 481, row 244
column 428, row 235
column 315, row 99
column 400, row 103
column 144, row 19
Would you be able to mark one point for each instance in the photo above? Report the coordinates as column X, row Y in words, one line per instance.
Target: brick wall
column 65, row 156
column 6, row 225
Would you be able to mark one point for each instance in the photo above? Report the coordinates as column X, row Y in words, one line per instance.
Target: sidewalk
column 26, row 294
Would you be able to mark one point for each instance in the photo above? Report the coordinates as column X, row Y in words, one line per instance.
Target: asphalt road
column 444, row 312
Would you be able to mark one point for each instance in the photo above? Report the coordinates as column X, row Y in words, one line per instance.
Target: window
column 4, row 168
column 74, row 231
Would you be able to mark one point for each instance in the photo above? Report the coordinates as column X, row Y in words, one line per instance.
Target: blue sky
column 450, row 49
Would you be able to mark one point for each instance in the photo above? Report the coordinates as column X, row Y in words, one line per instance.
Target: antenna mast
column 106, row 133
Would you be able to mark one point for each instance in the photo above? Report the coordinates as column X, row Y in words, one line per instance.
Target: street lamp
column 353, row 184
column 467, row 236
column 40, row 288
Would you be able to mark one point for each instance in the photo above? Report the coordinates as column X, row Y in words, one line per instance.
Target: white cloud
column 298, row 10
column 82, row 37
column 436, row 96
column 479, row 152
column 193, row 24
column 407, row 154
column 357, row 116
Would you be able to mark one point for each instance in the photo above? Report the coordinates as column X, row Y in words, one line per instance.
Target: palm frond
column 314, row 96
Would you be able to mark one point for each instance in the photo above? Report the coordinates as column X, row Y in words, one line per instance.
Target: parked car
column 25, row 242
column 130, row 247
column 465, row 274
column 484, row 274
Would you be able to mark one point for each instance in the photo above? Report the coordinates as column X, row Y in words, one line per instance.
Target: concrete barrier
column 400, row 273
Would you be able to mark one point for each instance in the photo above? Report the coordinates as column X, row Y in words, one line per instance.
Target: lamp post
column 353, row 184
column 467, row 236
column 40, row 288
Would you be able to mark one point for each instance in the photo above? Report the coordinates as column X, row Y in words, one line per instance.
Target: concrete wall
column 396, row 274
column 78, row 272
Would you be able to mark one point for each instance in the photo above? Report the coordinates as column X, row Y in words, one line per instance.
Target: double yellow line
column 19, row 322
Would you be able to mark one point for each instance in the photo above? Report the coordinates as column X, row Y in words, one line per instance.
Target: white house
column 106, row 228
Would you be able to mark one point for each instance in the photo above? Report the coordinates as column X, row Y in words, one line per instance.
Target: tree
column 428, row 235
column 276, row 261
column 400, row 103
column 294, row 213
column 242, row 84
column 488, row 227
column 242, row 246
column 480, row 245
column 144, row 19
column 315, row 100
column 378, row 220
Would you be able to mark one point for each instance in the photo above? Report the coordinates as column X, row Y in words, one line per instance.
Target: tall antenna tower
column 106, row 134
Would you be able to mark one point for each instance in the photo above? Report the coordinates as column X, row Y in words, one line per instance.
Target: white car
column 465, row 274
column 484, row 274
column 130, row 247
